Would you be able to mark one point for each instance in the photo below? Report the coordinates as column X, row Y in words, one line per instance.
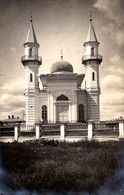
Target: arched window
column 81, row 113
column 62, row 98
column 93, row 76
column 30, row 52
column 44, row 113
column 31, row 77
column 92, row 51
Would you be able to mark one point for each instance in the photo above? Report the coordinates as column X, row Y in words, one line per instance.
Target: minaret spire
column 31, row 37
column 31, row 46
column 91, row 32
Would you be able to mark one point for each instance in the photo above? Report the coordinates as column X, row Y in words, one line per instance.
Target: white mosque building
column 62, row 98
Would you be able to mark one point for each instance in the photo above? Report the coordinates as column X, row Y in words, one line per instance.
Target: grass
column 54, row 165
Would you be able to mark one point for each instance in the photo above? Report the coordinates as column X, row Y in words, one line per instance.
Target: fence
column 7, row 131
column 25, row 128
column 106, row 129
column 78, row 129
column 106, row 126
column 50, row 130
column 88, row 130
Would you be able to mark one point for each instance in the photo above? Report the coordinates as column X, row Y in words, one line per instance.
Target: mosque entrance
column 62, row 108
column 62, row 113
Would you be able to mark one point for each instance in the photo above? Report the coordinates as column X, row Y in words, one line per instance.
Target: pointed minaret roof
column 31, row 38
column 91, row 32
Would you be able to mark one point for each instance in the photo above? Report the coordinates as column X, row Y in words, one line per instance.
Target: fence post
column 16, row 133
column 37, row 130
column 62, row 131
column 121, row 128
column 90, row 129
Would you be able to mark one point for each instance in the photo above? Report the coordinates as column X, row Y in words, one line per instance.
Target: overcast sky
column 61, row 24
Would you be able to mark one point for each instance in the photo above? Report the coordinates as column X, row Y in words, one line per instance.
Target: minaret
column 91, row 61
column 31, row 62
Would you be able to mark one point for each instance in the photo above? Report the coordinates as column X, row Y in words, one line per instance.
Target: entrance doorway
column 62, row 108
column 62, row 113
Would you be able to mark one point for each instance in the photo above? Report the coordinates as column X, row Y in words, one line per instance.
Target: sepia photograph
column 61, row 97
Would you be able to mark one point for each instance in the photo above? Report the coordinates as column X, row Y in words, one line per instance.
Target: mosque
column 62, row 98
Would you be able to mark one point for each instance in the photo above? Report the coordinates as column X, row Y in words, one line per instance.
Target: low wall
column 67, row 132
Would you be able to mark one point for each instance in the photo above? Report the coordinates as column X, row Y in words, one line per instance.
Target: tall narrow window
column 93, row 76
column 44, row 113
column 81, row 113
column 31, row 77
column 92, row 51
column 30, row 52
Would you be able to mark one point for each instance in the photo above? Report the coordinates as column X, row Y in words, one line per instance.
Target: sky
column 62, row 25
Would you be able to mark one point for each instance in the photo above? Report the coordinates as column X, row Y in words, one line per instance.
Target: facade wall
column 67, row 88
column 93, row 90
column 31, row 68
column 30, row 108
column 36, row 99
column 31, row 92
column 42, row 100
column 82, row 99
column 91, row 67
column 93, row 106
column 34, row 103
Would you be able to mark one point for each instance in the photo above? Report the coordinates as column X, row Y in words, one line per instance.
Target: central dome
column 61, row 66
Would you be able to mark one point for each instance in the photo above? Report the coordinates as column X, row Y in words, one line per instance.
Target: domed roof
column 61, row 66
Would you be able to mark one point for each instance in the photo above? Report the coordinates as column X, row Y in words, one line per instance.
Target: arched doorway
column 81, row 113
column 62, row 108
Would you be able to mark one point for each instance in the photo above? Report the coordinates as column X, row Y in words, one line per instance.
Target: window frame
column 44, row 113
column 92, row 51
column 31, row 77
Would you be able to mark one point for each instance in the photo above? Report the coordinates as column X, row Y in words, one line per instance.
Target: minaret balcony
column 27, row 58
column 90, row 57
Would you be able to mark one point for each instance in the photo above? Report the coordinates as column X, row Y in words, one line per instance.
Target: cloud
column 114, row 11
column 120, row 37
column 14, row 86
column 115, row 99
column 12, row 99
column 115, row 66
column 114, row 31
column 13, row 50
column 112, row 105
column 112, row 97
column 11, row 105
column 115, row 58
column 8, row 101
column 112, row 82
